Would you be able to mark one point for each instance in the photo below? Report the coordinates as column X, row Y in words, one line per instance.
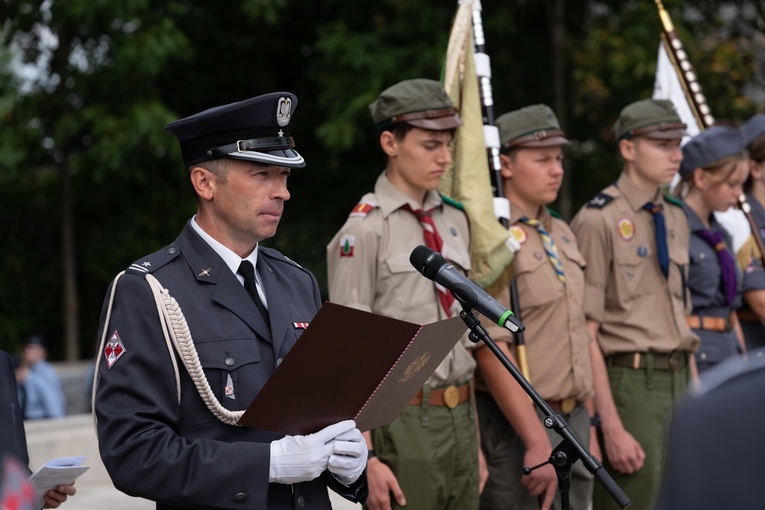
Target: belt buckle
column 451, row 396
column 673, row 361
column 567, row 405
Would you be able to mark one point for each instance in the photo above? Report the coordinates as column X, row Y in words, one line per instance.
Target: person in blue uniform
column 191, row 333
column 712, row 172
column 13, row 445
column 752, row 312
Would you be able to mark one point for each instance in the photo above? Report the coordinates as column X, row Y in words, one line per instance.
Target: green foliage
column 119, row 70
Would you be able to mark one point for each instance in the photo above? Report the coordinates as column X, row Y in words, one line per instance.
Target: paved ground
column 74, row 436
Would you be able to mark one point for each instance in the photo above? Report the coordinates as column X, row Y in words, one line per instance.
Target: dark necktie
column 727, row 265
column 660, row 230
column 251, row 286
column 435, row 243
column 552, row 251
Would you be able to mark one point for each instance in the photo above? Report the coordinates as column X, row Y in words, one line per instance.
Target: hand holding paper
column 63, row 471
column 303, row 458
column 350, row 457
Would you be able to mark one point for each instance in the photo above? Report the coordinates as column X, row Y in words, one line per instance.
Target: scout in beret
column 635, row 242
column 714, row 168
column 547, row 264
column 751, row 314
column 368, row 268
column 191, row 333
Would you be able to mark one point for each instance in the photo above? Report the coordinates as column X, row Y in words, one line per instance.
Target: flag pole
column 491, row 137
column 679, row 58
column 698, row 104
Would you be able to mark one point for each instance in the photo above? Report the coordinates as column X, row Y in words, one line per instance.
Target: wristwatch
column 371, row 454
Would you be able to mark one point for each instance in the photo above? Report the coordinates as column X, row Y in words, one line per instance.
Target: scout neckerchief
column 552, row 251
column 435, row 243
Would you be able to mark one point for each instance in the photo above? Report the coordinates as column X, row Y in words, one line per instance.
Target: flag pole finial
column 664, row 15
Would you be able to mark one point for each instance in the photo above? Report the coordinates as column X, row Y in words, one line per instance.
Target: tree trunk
column 69, row 269
column 556, row 22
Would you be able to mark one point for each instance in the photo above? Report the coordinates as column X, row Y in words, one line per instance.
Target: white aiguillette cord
column 178, row 337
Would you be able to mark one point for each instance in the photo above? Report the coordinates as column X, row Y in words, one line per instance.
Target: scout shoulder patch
column 600, row 200
column 450, row 201
column 367, row 203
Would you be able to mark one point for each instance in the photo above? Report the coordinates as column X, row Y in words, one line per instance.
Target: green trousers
column 433, row 451
column 644, row 399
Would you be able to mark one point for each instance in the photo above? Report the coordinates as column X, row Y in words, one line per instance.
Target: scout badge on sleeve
column 347, row 242
column 114, row 349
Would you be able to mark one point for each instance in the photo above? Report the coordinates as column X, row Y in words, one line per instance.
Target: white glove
column 302, row 458
column 350, row 456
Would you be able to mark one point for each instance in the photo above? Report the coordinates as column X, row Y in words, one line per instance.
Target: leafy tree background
column 89, row 181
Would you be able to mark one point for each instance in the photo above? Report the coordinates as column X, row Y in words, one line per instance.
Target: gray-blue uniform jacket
column 704, row 277
column 181, row 455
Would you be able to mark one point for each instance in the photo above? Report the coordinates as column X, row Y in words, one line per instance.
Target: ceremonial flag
column 667, row 85
column 468, row 181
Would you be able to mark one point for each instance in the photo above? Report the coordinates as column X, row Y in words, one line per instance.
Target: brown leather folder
column 350, row 365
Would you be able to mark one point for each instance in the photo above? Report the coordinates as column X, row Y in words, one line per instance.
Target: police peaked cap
column 255, row 130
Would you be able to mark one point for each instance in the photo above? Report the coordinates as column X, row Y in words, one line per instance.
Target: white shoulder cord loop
column 178, row 336
column 170, row 313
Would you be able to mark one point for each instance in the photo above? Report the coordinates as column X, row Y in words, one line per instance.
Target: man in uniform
column 549, row 277
column 428, row 458
column 191, row 333
column 635, row 242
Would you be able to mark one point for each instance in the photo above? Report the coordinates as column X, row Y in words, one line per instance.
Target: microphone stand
column 570, row 449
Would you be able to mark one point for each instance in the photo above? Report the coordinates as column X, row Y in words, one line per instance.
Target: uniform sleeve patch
column 599, row 201
column 114, row 349
column 347, row 243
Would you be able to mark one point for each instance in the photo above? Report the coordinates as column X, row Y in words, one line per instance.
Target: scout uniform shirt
column 638, row 309
column 368, row 266
column 557, row 341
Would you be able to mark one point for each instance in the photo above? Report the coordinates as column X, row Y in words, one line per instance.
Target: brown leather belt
column 672, row 361
column 451, row 396
column 747, row 315
column 708, row 323
column 564, row 406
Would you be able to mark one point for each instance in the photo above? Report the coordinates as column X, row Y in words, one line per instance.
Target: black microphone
column 434, row 266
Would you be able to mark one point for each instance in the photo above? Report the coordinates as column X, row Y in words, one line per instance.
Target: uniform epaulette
column 452, row 202
column 554, row 214
column 367, row 204
column 151, row 263
column 600, row 200
column 278, row 256
column 673, row 200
